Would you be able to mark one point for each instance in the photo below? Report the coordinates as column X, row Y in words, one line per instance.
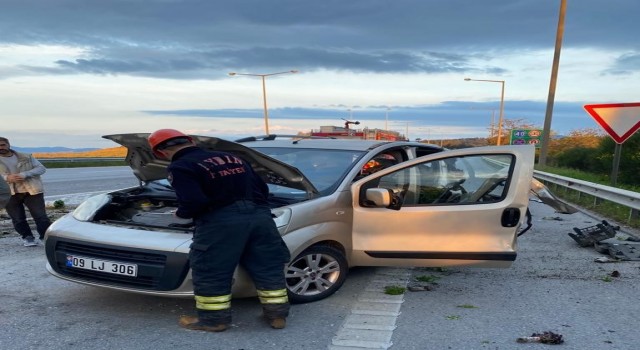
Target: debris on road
column 588, row 236
column 545, row 338
column 606, row 239
column 420, row 288
column 623, row 250
column 604, row 259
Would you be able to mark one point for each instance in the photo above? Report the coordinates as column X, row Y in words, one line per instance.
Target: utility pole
column 546, row 131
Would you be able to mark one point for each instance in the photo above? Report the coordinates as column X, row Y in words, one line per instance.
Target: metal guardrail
column 626, row 198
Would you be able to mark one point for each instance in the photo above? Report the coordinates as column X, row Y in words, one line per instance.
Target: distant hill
column 113, row 152
column 51, row 149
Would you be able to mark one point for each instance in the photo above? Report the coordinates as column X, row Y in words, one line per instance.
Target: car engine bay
column 143, row 208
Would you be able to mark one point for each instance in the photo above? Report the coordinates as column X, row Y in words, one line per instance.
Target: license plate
column 106, row 266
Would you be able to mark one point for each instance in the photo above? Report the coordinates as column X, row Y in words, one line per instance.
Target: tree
column 567, row 151
column 629, row 159
column 585, row 138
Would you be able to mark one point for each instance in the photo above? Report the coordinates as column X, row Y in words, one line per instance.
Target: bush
column 576, row 158
column 629, row 159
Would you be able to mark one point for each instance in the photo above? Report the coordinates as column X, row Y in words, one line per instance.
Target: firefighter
column 233, row 225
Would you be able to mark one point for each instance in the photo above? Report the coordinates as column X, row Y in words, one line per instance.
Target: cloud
column 191, row 39
column 625, row 64
column 194, row 65
column 77, row 67
column 454, row 113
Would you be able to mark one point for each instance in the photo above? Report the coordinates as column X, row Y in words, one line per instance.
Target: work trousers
column 241, row 233
column 35, row 204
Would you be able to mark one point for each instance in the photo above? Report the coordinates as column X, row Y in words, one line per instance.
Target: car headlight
column 281, row 216
column 87, row 210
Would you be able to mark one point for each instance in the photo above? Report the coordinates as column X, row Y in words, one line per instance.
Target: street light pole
column 501, row 106
column 408, row 132
column 264, row 103
column 386, row 120
column 493, row 122
column 264, row 92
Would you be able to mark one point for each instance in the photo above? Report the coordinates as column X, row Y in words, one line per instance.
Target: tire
column 315, row 274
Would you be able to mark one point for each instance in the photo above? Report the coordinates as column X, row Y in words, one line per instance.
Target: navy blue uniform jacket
column 206, row 180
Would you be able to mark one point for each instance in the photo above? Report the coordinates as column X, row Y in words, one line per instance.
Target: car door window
column 381, row 161
column 457, row 180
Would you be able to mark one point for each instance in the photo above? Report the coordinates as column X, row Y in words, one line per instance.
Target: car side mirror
column 383, row 197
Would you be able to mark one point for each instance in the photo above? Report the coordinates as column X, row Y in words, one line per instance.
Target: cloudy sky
column 74, row 70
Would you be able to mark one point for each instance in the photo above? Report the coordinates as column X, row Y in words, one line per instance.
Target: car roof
column 330, row 144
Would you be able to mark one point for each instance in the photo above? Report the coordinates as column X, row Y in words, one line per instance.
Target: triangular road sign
column 620, row 120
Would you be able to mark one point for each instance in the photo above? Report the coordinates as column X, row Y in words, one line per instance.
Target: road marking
column 373, row 318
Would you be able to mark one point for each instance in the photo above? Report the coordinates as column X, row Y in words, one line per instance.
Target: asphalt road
column 554, row 285
column 73, row 185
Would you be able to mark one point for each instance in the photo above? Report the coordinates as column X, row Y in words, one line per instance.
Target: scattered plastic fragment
column 545, row 338
column 615, row 273
column 625, row 251
column 556, row 218
column 589, row 235
column 417, row 288
column 605, row 259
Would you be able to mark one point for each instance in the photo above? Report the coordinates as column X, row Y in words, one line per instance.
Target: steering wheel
column 448, row 196
column 482, row 194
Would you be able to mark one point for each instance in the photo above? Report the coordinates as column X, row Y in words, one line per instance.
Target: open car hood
column 147, row 167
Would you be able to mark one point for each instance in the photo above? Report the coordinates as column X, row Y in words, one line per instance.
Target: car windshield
column 324, row 168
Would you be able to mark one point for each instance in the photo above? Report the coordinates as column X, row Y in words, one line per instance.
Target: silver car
column 337, row 204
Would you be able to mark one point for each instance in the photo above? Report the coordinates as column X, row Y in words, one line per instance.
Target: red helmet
column 160, row 136
column 163, row 136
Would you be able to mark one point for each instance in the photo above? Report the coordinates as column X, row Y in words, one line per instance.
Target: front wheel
column 315, row 274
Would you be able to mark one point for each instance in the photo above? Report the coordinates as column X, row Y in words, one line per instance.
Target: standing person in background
column 22, row 172
column 228, row 202
column 5, row 193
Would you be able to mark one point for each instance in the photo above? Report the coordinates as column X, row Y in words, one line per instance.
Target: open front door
column 454, row 208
